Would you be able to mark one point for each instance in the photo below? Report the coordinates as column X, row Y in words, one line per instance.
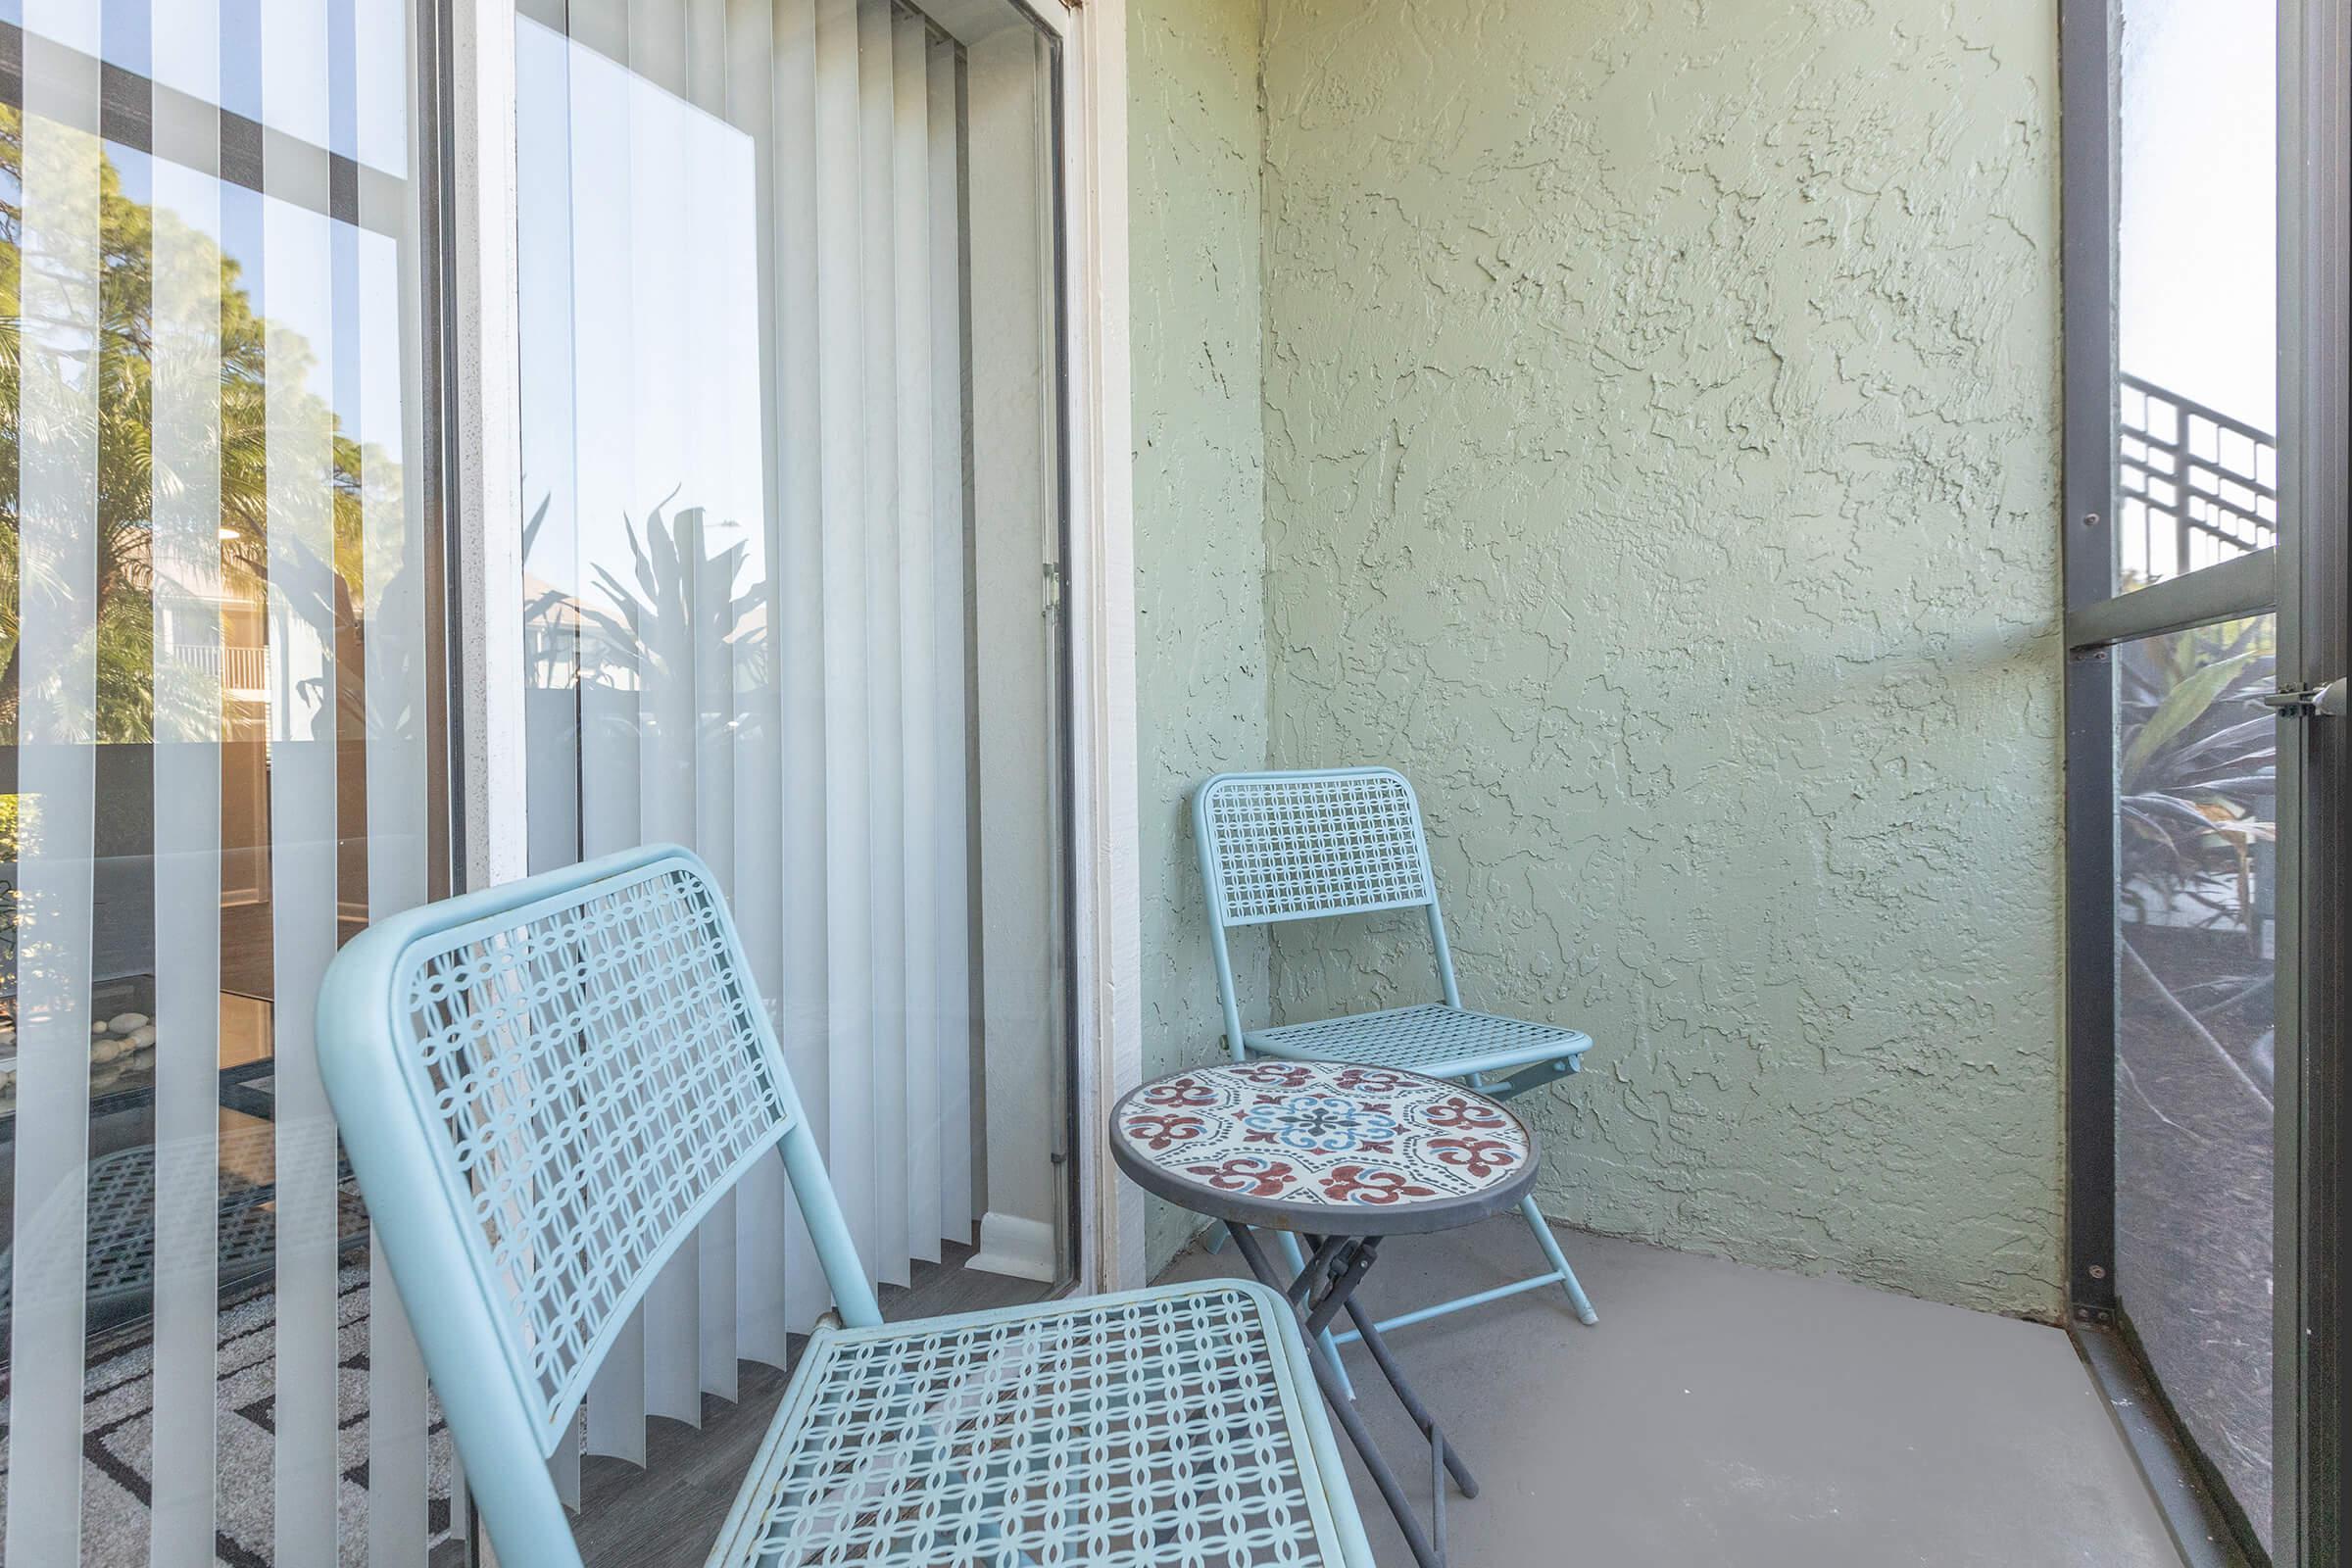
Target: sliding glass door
column 2201, row 516
column 220, row 755
column 792, row 522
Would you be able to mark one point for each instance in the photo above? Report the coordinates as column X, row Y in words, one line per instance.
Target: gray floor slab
column 1719, row 1414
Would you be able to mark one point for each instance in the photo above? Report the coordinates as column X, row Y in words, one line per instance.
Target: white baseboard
column 1010, row 1245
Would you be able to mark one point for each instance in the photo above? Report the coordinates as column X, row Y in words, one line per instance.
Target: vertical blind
column 218, row 760
column 744, row 405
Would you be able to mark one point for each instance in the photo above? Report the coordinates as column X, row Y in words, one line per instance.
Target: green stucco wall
column 1658, row 457
column 1662, row 460
column 1199, row 489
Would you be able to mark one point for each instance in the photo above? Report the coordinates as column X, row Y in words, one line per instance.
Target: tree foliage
column 255, row 361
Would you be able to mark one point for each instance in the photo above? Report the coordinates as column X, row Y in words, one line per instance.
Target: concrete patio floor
column 1720, row 1414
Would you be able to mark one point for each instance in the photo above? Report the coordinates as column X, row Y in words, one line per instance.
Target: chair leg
column 1297, row 1262
column 1551, row 1251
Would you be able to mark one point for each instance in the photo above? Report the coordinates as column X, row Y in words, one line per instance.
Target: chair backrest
column 543, row 1088
column 1309, row 845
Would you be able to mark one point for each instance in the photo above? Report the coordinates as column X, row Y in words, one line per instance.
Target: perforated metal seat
column 544, row 1088
column 1312, row 845
column 1430, row 1038
column 1148, row 1428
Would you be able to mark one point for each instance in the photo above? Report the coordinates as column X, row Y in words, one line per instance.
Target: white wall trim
column 1108, row 960
column 1013, row 1245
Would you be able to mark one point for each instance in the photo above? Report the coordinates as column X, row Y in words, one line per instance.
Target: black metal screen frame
column 2307, row 581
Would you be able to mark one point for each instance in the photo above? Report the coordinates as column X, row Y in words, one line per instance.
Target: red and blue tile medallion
column 1324, row 1133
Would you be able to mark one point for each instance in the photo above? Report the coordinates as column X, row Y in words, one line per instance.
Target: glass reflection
column 223, row 625
column 216, row 722
column 2196, row 287
column 788, row 411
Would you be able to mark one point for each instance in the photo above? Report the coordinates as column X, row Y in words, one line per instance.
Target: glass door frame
column 472, row 56
column 2303, row 581
column 2314, row 209
column 485, row 489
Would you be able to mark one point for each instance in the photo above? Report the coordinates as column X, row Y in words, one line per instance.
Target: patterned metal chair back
column 543, row 1088
column 1303, row 846
column 1309, row 846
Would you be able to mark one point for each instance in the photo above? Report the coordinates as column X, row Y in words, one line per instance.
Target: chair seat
column 1174, row 1425
column 1432, row 1039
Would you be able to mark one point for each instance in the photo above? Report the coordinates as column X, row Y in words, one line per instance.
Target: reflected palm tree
column 130, row 477
column 148, row 253
column 661, row 629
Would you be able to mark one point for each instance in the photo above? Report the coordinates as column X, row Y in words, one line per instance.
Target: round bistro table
column 1344, row 1157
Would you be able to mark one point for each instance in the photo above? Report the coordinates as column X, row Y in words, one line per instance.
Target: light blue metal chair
column 1307, row 846
column 543, row 1087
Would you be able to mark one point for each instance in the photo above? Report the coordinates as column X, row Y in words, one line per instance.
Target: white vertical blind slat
column 398, row 793
column 758, row 1299
column 297, row 294
column 659, row 572
column 803, row 642
column 345, row 685
column 878, row 609
column 724, row 372
column 950, row 654
column 565, row 1465
column 713, row 752
column 552, row 713
column 185, row 386
column 851, row 1153
column 551, row 537
column 604, row 370
column 615, row 1402
column 297, row 247
column 910, row 289
column 57, row 596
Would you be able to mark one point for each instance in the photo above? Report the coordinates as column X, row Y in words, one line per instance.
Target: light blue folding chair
column 1312, row 845
column 543, row 1087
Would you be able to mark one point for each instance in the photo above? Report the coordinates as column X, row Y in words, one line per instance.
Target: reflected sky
column 641, row 318
column 2197, row 245
column 337, row 72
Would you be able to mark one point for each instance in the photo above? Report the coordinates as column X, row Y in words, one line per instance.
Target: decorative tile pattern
column 1323, row 1133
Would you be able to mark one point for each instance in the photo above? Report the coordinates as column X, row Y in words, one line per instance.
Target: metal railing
column 2195, row 487
column 241, row 671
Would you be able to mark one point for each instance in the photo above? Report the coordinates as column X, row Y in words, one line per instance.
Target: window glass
column 789, row 372
column 220, row 758
column 2196, row 287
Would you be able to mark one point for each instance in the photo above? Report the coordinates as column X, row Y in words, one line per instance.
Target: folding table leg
column 1326, row 1365
column 1411, row 1401
column 1297, row 1262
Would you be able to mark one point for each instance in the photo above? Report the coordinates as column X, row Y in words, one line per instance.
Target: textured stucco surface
column 1200, row 474
column 1660, row 441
